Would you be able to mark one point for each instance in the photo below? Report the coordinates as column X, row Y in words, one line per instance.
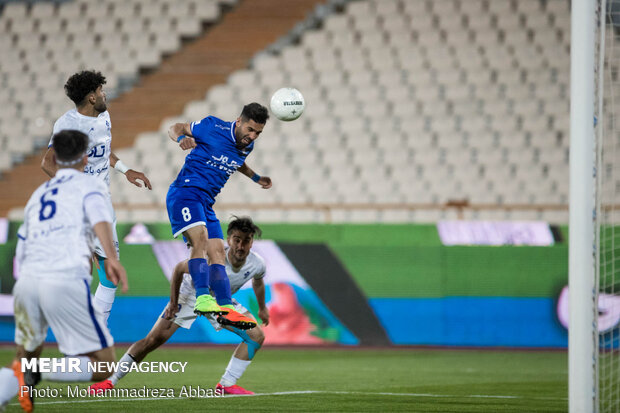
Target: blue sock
column 220, row 285
column 103, row 280
column 199, row 270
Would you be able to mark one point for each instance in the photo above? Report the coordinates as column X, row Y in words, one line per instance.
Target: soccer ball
column 287, row 104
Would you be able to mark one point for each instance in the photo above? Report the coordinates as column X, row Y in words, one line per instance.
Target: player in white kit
column 91, row 117
column 56, row 242
column 242, row 265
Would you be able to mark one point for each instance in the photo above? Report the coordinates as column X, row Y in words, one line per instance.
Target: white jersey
column 99, row 134
column 58, row 239
column 254, row 267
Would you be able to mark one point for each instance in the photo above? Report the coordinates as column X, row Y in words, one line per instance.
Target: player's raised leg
column 242, row 357
column 219, row 282
column 220, row 285
column 187, row 216
column 218, row 279
column 200, row 271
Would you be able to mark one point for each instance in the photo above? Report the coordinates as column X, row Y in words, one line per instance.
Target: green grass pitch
column 347, row 379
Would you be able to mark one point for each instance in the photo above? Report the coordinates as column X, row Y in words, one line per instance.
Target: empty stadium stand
column 412, row 106
column 172, row 82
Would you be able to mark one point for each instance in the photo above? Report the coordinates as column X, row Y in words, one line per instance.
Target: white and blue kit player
column 55, row 247
column 90, row 116
column 219, row 148
column 242, row 265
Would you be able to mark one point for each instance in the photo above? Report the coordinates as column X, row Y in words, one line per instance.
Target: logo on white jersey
column 97, row 151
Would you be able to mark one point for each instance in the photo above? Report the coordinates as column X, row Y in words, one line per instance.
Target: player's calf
column 252, row 338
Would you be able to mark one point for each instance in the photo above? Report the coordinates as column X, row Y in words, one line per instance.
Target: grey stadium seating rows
column 408, row 102
column 42, row 43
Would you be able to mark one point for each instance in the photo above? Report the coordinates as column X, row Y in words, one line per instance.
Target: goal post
column 583, row 291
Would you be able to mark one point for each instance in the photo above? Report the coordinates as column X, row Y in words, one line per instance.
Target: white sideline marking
column 284, row 393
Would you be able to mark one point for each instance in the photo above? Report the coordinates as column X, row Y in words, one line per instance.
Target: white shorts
column 65, row 305
column 185, row 316
column 99, row 249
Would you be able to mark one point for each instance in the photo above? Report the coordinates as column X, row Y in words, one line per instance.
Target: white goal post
column 594, row 250
column 583, row 291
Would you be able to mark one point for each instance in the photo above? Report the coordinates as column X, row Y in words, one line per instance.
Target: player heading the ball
column 218, row 149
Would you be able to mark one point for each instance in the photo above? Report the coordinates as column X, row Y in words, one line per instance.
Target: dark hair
column 69, row 145
column 245, row 225
column 79, row 85
column 256, row 112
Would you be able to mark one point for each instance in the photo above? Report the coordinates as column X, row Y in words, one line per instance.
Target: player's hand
column 265, row 182
column 263, row 314
column 171, row 310
column 187, row 143
column 133, row 176
column 116, row 273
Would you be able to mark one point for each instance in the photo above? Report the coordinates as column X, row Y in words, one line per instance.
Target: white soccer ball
column 287, row 104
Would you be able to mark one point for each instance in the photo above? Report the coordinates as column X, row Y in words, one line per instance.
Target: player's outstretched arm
column 131, row 174
column 263, row 181
column 182, row 133
column 175, row 284
column 48, row 164
column 114, row 270
column 259, row 290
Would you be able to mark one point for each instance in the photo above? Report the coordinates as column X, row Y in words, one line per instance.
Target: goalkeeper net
column 607, row 184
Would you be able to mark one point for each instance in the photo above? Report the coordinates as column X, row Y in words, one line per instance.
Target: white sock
column 104, row 298
column 9, row 386
column 119, row 372
column 83, row 375
column 234, row 371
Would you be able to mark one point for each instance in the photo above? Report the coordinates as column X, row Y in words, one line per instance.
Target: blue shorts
column 189, row 207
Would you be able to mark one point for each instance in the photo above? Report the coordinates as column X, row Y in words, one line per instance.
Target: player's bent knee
column 252, row 344
column 258, row 335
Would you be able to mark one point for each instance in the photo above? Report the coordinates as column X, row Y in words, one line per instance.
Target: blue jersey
column 215, row 158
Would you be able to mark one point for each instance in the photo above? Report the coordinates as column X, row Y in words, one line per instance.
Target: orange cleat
column 98, row 389
column 24, row 394
column 236, row 319
column 234, row 389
